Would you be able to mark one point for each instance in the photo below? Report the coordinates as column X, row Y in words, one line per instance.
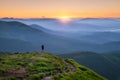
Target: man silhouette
column 42, row 47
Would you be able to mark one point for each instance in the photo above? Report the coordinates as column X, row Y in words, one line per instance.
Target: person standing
column 42, row 47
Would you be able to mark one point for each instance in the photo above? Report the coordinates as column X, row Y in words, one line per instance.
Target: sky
column 59, row 8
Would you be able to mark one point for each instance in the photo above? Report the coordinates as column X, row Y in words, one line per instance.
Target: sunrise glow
column 64, row 19
column 56, row 8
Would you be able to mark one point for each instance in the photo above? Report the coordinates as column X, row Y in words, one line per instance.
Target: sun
column 64, row 19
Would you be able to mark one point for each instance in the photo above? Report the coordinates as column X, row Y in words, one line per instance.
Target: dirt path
column 72, row 69
column 47, row 77
column 22, row 70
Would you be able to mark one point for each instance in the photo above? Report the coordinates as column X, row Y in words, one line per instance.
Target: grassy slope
column 107, row 65
column 35, row 66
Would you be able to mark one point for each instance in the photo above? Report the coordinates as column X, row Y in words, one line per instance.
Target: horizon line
column 49, row 17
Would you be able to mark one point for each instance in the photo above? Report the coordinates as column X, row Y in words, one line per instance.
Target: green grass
column 40, row 65
column 46, row 63
column 36, row 76
column 81, row 73
column 8, row 78
column 16, row 61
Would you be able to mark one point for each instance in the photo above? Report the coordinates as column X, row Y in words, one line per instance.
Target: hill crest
column 45, row 66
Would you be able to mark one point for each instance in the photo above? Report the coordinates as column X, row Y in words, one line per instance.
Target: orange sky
column 59, row 8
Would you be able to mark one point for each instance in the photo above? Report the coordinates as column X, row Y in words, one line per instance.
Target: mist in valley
column 61, row 36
